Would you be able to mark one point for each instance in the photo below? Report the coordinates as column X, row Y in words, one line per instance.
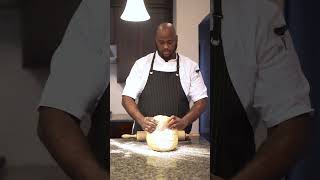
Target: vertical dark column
column 204, row 63
column 99, row 131
column 303, row 21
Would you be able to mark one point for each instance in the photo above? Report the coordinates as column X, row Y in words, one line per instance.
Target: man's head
column 166, row 41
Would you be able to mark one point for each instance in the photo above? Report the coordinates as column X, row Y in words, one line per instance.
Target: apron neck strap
column 178, row 64
column 152, row 62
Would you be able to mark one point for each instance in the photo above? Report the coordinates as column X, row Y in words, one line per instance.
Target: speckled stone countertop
column 135, row 160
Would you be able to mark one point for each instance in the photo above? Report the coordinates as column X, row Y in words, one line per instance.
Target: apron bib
column 163, row 95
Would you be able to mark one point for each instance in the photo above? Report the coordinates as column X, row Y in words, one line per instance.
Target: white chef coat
column 79, row 71
column 266, row 75
column 189, row 74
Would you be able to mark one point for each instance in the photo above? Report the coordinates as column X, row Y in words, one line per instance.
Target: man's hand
column 132, row 109
column 148, row 124
column 194, row 113
column 177, row 123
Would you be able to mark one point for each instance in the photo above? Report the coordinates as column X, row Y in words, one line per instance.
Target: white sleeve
column 78, row 73
column 198, row 89
column 282, row 91
column 133, row 81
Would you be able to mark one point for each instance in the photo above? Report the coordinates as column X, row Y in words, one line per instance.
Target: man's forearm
column 132, row 109
column 65, row 141
column 279, row 152
column 195, row 111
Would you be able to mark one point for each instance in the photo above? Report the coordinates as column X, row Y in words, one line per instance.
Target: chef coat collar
column 158, row 57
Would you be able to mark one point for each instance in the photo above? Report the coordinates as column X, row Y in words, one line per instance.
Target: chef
column 163, row 83
column 256, row 78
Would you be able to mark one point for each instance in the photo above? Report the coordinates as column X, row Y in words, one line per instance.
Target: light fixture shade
column 135, row 11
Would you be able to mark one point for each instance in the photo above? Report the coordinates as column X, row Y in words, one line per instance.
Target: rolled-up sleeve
column 132, row 87
column 78, row 74
column 198, row 89
column 282, row 91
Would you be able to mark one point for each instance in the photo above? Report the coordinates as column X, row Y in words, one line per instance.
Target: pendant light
column 135, row 11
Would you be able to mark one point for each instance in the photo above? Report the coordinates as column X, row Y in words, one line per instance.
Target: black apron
column 98, row 134
column 233, row 138
column 163, row 95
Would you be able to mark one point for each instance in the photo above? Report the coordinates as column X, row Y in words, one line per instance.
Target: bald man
column 163, row 83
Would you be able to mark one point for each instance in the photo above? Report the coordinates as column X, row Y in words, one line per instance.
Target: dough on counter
column 162, row 138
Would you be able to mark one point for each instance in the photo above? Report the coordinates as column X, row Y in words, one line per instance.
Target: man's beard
column 171, row 56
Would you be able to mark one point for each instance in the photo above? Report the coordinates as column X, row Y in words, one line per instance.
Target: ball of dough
column 162, row 138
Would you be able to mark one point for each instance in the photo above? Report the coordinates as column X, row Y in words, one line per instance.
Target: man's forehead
column 164, row 32
column 165, row 35
column 165, row 38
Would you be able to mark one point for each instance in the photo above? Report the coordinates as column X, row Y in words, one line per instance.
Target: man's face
column 166, row 42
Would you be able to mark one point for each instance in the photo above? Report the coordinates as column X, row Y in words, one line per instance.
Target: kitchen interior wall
column 115, row 92
column 187, row 15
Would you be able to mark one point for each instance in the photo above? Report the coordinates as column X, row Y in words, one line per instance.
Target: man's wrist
column 187, row 121
column 140, row 119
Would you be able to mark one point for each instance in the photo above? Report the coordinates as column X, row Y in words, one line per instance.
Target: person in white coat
column 265, row 72
column 164, row 82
